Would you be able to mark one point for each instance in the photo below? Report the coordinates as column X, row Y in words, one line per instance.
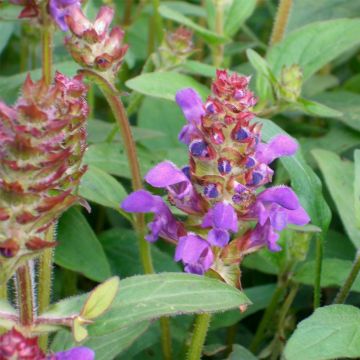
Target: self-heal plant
column 222, row 191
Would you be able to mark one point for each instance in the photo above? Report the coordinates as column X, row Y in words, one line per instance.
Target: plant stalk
column 166, row 338
column 318, row 269
column 281, row 20
column 267, row 317
column 344, row 291
column 201, row 327
column 218, row 50
column 25, row 294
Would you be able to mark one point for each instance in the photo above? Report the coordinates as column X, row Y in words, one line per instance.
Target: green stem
column 344, row 291
column 281, row 20
column 318, row 268
column 267, row 317
column 158, row 25
column 127, row 12
column 202, row 323
column 166, row 338
column 218, row 50
column 46, row 45
column 113, row 98
column 25, row 295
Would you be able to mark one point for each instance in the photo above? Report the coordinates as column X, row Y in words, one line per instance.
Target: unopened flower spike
column 42, row 142
column 93, row 45
column 220, row 188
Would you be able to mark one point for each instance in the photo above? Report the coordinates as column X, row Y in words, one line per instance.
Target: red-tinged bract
column 42, row 142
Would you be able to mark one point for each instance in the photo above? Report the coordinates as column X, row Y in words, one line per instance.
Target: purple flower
column 275, row 208
column 176, row 182
column 164, row 224
column 191, row 104
column 195, row 253
column 222, row 218
column 77, row 353
column 280, row 145
column 59, row 9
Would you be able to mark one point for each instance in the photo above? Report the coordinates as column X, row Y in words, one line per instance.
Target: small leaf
column 312, row 46
column 317, row 109
column 164, row 84
column 357, row 187
column 79, row 331
column 209, row 36
column 331, row 332
column 240, row 352
column 238, row 13
column 100, row 299
column 98, row 186
column 339, row 178
column 199, row 68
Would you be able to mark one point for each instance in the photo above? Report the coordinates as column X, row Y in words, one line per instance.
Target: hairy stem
column 267, row 317
column 281, row 20
column 166, row 338
column 344, row 291
column 25, row 294
column 127, row 12
column 318, row 268
column 218, row 50
column 201, row 327
column 46, row 44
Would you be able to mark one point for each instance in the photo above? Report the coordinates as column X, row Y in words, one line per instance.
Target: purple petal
column 191, row 104
column 142, row 201
column 265, row 235
column 78, row 353
column 280, row 145
column 218, row 237
column 298, row 217
column 281, row 195
column 221, row 216
column 279, row 217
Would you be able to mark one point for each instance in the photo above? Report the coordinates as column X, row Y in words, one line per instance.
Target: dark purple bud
column 256, row 178
column 210, row 108
column 198, row 148
column 211, row 191
column 250, row 162
column 239, row 94
column 241, row 134
column 224, row 166
column 186, row 171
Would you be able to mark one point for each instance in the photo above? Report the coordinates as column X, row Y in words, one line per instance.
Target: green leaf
column 79, row 249
column 164, row 84
column 316, row 109
column 122, row 249
column 339, row 178
column 357, row 187
column 334, row 273
column 198, row 68
column 312, row 46
column 307, row 11
column 240, row 352
column 106, row 346
column 149, row 297
column 100, row 299
column 79, row 331
column 331, row 332
column 10, row 85
column 346, row 102
column 6, row 30
column 210, row 36
column 238, row 13
column 303, row 180
column 260, row 297
column 100, row 187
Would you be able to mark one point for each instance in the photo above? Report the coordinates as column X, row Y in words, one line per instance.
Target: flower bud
column 42, row 142
column 291, row 82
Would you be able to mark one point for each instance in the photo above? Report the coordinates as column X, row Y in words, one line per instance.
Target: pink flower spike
column 103, row 20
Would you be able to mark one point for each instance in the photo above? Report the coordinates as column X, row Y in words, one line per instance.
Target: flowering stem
column 281, row 21
column 318, row 267
column 268, row 315
column 202, row 323
column 25, row 295
column 344, row 291
column 46, row 45
column 116, row 105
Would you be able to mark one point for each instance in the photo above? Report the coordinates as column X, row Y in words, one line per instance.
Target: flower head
column 43, row 140
column 92, row 45
column 219, row 189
